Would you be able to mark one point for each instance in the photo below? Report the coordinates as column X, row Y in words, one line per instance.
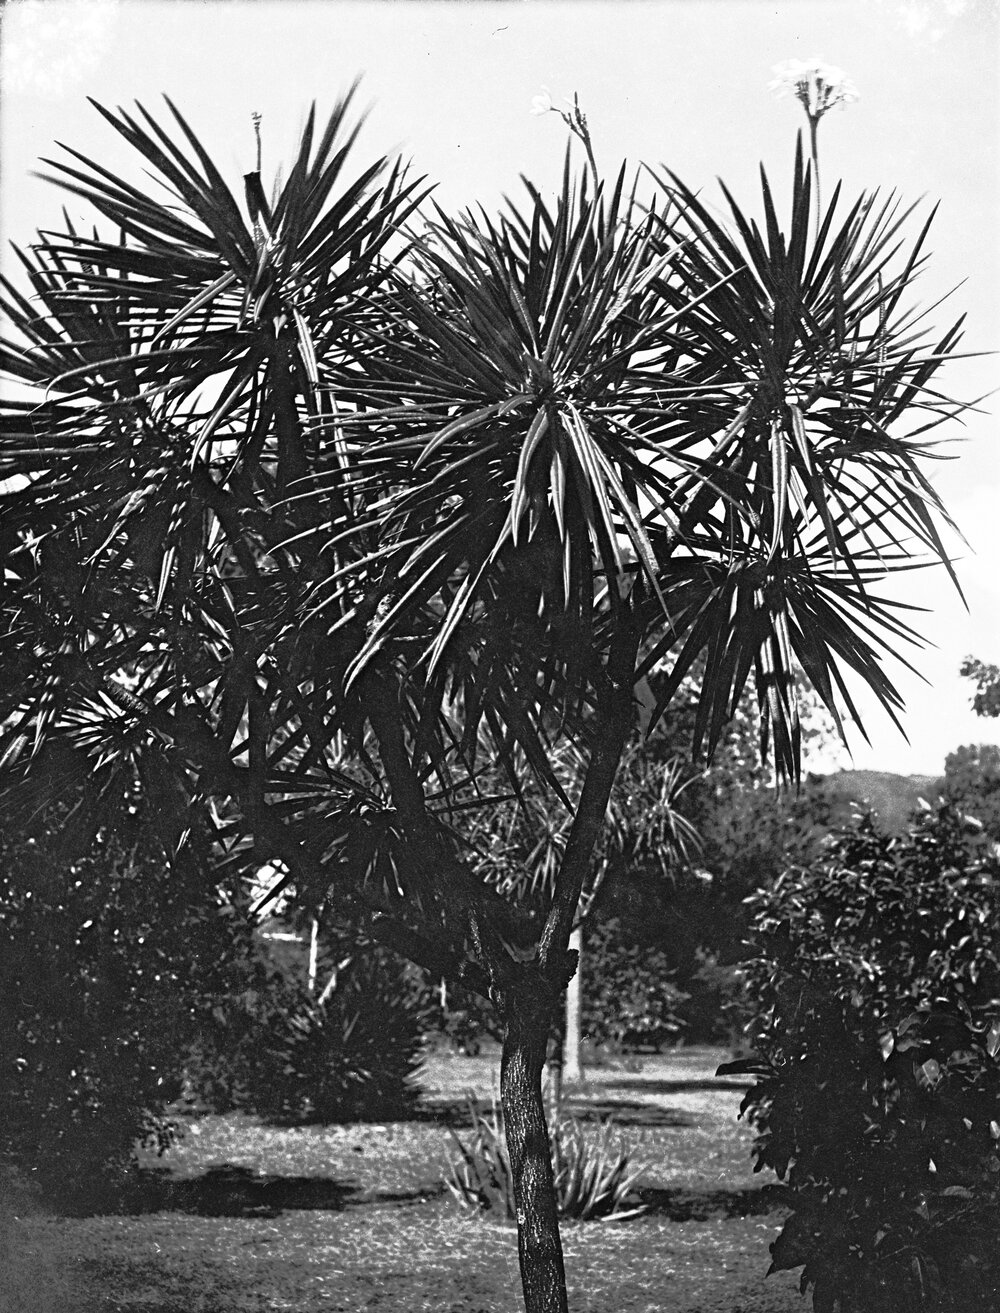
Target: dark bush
column 455, row 1018
column 352, row 1058
column 223, row 1065
column 714, row 1009
column 350, row 1054
column 629, row 998
column 109, row 964
column 972, row 783
column 877, row 987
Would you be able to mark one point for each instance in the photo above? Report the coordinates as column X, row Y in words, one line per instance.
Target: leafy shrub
column 286, row 1055
column 457, row 1019
column 629, row 998
column 109, row 963
column 972, row 783
column 224, row 1065
column 462, row 1029
column 593, row 1177
column 353, row 1058
column 714, row 1009
column 877, row 986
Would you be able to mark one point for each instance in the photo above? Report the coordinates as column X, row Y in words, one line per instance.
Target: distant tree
column 693, row 914
column 972, row 783
column 986, row 701
column 972, row 772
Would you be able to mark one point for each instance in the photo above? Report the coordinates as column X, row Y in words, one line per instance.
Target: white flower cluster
column 817, row 86
column 542, row 103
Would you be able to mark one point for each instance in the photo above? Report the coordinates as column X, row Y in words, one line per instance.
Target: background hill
column 892, row 797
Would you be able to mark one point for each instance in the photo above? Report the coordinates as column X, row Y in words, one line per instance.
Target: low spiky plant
column 593, row 1176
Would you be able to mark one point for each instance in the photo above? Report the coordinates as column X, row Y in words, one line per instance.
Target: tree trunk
column 313, row 955
column 553, row 1086
column 526, row 1013
column 572, row 1069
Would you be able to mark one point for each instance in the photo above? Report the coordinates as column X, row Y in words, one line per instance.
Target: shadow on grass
column 700, row 1206
column 680, row 1085
column 231, row 1191
column 626, row 1112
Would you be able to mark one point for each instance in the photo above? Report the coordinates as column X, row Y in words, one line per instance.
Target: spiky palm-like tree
column 300, row 519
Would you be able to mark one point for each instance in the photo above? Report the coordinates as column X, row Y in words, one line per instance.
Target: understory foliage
column 972, row 783
column 350, row 1053
column 463, row 1023
column 667, row 929
column 630, row 998
column 110, row 965
column 986, row 701
column 594, row 1175
column 664, row 915
column 877, row 986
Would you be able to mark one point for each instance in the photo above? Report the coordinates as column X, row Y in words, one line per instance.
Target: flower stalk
column 574, row 118
column 818, row 87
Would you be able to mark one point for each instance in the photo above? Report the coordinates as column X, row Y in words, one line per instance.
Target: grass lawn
column 243, row 1217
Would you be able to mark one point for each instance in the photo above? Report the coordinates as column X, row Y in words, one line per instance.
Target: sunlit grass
column 396, row 1243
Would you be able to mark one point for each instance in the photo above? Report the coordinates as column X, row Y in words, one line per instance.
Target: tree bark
column 526, row 1008
column 572, row 1069
column 527, row 999
column 313, row 954
column 613, row 722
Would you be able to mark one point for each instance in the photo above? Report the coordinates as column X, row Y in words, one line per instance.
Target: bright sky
column 681, row 82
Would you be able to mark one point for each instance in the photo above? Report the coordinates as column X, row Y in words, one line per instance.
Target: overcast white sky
column 681, row 82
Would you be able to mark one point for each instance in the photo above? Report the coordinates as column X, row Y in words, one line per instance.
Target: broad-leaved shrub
column 876, row 982
column 111, row 961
